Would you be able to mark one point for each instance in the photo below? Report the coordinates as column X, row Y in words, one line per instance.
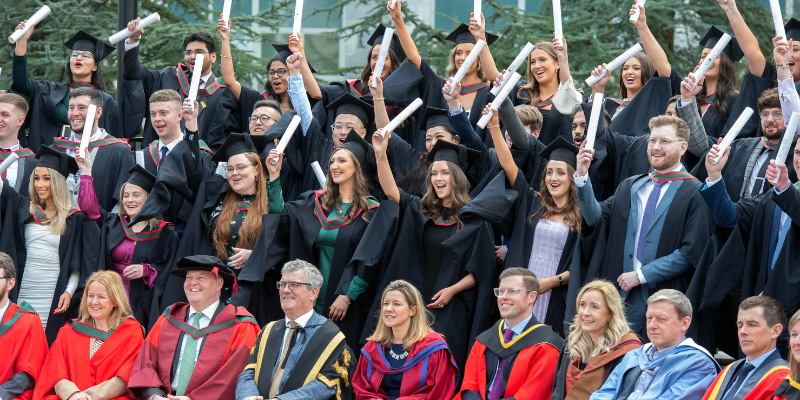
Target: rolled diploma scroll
column 125, row 33
column 393, row 124
column 139, row 154
column 499, row 99
column 786, row 144
column 733, row 132
column 287, row 136
column 393, row 4
column 477, row 12
column 706, row 64
column 8, row 161
column 298, row 16
column 33, row 20
column 320, row 175
column 473, row 55
column 521, row 57
column 777, row 19
column 196, row 75
column 597, row 109
column 591, row 80
column 88, row 126
column 226, row 13
column 559, row 32
column 635, row 17
column 385, row 44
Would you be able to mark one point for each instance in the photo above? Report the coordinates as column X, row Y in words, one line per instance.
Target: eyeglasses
column 776, row 115
column 262, row 119
column 661, row 142
column 292, row 285
column 83, row 56
column 5, row 277
column 191, row 52
column 339, row 127
column 239, row 169
column 512, row 293
column 281, row 72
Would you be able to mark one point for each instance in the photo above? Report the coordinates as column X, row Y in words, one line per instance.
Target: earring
column 256, row 178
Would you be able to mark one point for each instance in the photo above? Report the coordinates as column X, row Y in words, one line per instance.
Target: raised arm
column 297, row 90
column 385, row 176
column 487, row 61
column 312, row 87
column 563, row 60
column 500, row 146
column 747, row 41
column 381, row 116
column 226, row 65
column 651, row 46
column 402, row 32
column 19, row 68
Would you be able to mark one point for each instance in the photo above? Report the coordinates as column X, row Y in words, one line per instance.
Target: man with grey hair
column 304, row 344
column 672, row 366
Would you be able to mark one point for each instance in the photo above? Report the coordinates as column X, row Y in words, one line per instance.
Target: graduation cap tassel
column 249, row 142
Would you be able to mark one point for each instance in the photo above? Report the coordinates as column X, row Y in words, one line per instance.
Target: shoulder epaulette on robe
column 63, row 143
column 22, row 308
column 536, row 334
column 20, row 153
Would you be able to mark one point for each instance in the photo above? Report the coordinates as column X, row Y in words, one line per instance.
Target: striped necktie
column 188, row 359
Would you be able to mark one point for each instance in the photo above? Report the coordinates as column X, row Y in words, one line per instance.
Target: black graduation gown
column 651, row 101
column 751, row 89
column 26, row 163
column 715, row 122
column 557, row 123
column 77, row 251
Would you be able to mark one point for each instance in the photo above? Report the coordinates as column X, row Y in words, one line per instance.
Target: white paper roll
column 733, row 132
column 591, row 80
column 298, row 16
column 287, row 136
column 88, row 127
column 8, row 161
column 498, row 101
column 33, row 20
column 777, row 19
column 521, row 58
column 139, row 154
column 393, row 4
column 125, row 33
column 393, row 124
column 591, row 130
column 635, row 17
column 196, row 75
column 559, row 32
column 385, row 44
column 320, row 175
column 473, row 55
column 226, row 13
column 477, row 12
column 715, row 52
column 786, row 144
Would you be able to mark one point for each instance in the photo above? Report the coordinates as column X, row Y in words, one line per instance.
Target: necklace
column 286, row 105
column 398, row 356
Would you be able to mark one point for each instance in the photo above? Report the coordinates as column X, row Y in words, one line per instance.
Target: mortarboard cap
column 349, row 104
column 358, row 146
column 141, row 178
column 792, row 29
column 51, row 158
column 434, row 117
column 83, row 41
column 462, row 35
column 377, row 38
column 561, row 150
column 455, row 153
column 732, row 49
column 239, row 143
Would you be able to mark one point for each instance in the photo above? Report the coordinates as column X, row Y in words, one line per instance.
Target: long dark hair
column 573, row 211
column 648, row 71
column 726, row 85
column 432, row 204
column 97, row 77
column 268, row 86
column 414, row 183
column 363, row 87
column 333, row 199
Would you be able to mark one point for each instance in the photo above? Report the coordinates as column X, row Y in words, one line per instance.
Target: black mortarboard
column 358, row 146
column 51, row 158
column 142, row 178
column 349, row 104
column 434, row 117
column 83, row 41
column 284, row 53
column 206, row 263
column 455, row 153
column 732, row 49
column 462, row 35
column 238, row 143
column 377, row 38
column 792, row 29
column 561, row 150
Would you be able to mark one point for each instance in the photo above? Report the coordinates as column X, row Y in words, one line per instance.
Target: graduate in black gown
column 13, row 109
column 50, row 274
column 49, row 101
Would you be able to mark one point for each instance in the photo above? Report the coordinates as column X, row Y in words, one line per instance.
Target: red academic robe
column 223, row 354
column 69, row 357
column 533, row 371
column 429, row 358
column 787, row 390
column 23, row 342
column 763, row 389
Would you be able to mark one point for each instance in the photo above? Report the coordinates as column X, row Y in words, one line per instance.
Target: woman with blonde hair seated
column 404, row 358
column 790, row 388
column 598, row 339
column 93, row 355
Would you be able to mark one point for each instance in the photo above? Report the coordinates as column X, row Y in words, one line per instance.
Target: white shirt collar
column 204, row 79
column 302, row 320
column 14, row 147
column 101, row 133
column 208, row 312
column 171, row 145
column 4, row 309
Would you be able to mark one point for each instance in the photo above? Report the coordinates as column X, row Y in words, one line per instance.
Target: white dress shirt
column 4, row 308
column 171, row 145
column 11, row 172
column 301, row 321
column 208, row 313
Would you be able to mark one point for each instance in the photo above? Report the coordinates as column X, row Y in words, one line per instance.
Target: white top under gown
column 548, row 244
column 42, row 268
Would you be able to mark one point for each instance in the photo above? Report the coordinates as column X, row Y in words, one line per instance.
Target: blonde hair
column 116, row 292
column 579, row 343
column 681, row 128
column 60, row 193
column 153, row 222
column 166, row 95
column 420, row 321
column 452, row 68
column 794, row 365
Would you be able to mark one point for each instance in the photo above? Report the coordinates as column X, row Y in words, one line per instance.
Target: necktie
column 188, row 360
column 649, row 210
column 781, row 239
column 740, row 377
column 496, row 393
column 4, row 151
column 276, row 377
column 164, row 151
column 762, row 172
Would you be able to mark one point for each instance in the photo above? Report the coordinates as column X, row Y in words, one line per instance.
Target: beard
column 667, row 161
column 773, row 135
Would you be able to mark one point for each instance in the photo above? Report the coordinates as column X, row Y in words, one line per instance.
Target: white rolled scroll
column 473, row 55
column 33, row 20
column 393, row 4
column 498, row 101
column 777, row 19
column 591, row 80
column 729, row 137
column 125, row 33
column 521, row 58
column 139, row 154
column 320, row 175
column 287, row 136
column 476, row 13
column 88, row 127
column 8, row 161
column 298, row 16
column 385, row 44
column 226, row 13
column 635, row 16
column 394, row 123
column 597, row 110
column 559, row 32
column 706, row 64
column 196, row 75
column 786, row 144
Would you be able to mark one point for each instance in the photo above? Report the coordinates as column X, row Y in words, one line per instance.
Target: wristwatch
column 560, row 280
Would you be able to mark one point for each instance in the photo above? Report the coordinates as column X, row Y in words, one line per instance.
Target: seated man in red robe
column 517, row 356
column 197, row 350
column 21, row 338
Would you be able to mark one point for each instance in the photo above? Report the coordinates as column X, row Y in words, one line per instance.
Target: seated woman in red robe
column 789, row 389
column 93, row 355
column 403, row 351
